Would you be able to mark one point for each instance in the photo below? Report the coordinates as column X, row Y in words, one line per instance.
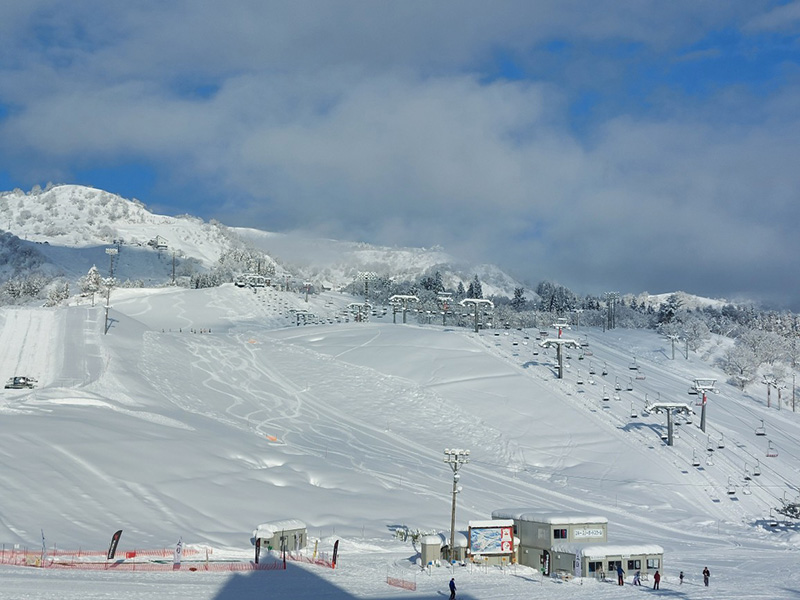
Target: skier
column 656, row 579
column 637, row 578
column 620, row 575
column 681, row 577
column 706, row 575
column 452, row 588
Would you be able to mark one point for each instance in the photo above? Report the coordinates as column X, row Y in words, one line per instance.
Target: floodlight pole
column 456, row 458
column 112, row 252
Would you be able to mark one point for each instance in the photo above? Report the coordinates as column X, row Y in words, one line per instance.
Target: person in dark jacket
column 656, row 580
column 620, row 575
column 452, row 588
column 706, row 575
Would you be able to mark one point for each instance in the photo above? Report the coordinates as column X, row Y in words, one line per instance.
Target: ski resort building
column 289, row 535
column 575, row 544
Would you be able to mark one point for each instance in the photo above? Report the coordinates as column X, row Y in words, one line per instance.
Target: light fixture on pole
column 456, row 458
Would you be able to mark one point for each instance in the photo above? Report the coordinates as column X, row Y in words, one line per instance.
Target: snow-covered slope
column 202, row 413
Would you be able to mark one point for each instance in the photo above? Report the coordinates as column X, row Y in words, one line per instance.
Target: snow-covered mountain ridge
column 79, row 217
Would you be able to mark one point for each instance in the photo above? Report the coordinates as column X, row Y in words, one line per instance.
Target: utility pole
column 456, row 458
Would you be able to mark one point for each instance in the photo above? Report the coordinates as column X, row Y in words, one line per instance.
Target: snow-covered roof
column 430, row 540
column 267, row 530
column 459, row 540
column 492, row 523
column 603, row 550
column 526, row 514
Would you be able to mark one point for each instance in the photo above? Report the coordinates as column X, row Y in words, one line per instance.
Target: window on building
column 595, row 567
column 560, row 534
column 634, row 565
column 613, row 564
column 653, row 563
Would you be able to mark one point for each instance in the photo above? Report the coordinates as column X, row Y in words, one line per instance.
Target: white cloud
column 376, row 124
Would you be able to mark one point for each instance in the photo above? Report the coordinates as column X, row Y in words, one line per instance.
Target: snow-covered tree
column 741, row 364
column 475, row 290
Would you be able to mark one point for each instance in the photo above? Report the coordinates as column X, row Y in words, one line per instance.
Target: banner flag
column 176, row 559
column 112, row 549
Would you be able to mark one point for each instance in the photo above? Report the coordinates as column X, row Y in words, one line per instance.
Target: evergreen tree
column 519, row 301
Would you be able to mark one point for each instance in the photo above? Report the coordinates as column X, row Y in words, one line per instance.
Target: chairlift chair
column 640, row 376
column 710, row 459
column 761, row 430
column 692, row 391
column 605, row 395
column 695, row 459
column 605, row 370
column 746, row 489
column 710, row 446
column 731, row 487
column 746, row 474
column 591, row 369
column 617, row 386
column 721, row 442
column 772, row 452
column 580, row 379
column 633, row 366
column 757, row 469
column 617, row 396
column 630, row 384
column 634, row 414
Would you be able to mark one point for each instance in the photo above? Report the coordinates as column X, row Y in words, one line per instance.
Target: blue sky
column 643, row 146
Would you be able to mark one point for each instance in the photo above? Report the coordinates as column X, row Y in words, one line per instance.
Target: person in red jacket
column 656, row 579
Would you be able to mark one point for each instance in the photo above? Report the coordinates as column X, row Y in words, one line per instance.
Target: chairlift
column 605, row 395
column 630, row 385
column 580, row 379
column 617, row 396
column 757, row 469
column 634, row 414
column 692, row 391
column 689, row 418
column 773, row 522
column 664, row 436
column 731, row 487
column 761, row 430
column 772, row 452
column 617, row 386
column 710, row 459
column 591, row 369
column 721, row 442
column 710, row 446
column 633, row 366
column 695, row 459
column 640, row 376
column 746, row 489
column 605, row 370
column 746, row 474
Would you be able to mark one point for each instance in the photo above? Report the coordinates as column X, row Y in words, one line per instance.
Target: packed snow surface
column 202, row 413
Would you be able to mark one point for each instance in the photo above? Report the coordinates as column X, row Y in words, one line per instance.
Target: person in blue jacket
column 452, row 588
column 620, row 575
